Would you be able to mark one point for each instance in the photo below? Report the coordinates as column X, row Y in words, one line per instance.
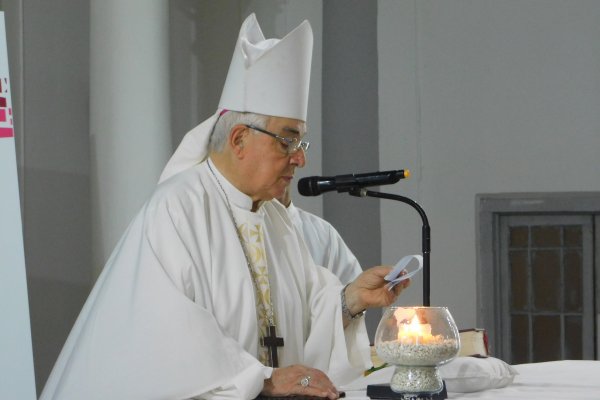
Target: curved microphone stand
column 425, row 232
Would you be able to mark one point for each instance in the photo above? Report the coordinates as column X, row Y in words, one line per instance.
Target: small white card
column 394, row 276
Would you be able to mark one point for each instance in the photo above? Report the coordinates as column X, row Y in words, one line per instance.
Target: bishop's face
column 268, row 165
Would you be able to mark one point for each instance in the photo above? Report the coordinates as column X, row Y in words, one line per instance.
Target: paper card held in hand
column 395, row 277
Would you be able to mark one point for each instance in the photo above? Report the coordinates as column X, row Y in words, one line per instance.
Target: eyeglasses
column 291, row 145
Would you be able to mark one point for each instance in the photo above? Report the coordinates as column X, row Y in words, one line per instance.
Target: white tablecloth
column 556, row 380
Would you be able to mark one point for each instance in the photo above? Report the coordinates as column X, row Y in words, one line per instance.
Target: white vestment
column 325, row 244
column 173, row 314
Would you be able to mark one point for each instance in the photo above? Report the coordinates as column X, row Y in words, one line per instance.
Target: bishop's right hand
column 370, row 290
column 299, row 380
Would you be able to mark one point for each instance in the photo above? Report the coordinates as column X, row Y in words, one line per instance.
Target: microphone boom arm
column 425, row 232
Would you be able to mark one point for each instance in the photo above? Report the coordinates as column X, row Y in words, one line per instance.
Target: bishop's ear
column 237, row 139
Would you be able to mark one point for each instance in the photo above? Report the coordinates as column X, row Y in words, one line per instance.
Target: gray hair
column 227, row 121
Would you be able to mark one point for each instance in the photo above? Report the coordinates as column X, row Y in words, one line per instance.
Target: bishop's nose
column 298, row 158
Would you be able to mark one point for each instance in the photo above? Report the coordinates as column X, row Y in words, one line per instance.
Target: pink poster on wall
column 16, row 356
column 6, row 119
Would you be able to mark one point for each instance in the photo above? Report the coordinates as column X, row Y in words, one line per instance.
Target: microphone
column 316, row 185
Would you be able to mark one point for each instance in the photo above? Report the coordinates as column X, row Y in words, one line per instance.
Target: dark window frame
column 490, row 210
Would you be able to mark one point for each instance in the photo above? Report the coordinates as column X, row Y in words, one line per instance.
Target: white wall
column 483, row 96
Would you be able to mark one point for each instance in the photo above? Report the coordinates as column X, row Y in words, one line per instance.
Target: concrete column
column 129, row 113
column 351, row 124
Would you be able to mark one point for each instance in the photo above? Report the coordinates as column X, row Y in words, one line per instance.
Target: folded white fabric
column 471, row 374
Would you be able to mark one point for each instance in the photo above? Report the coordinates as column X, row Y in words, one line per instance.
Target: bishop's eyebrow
column 291, row 130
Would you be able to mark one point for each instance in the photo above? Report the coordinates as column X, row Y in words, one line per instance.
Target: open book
column 473, row 342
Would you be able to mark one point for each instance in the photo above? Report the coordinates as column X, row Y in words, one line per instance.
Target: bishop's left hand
column 370, row 290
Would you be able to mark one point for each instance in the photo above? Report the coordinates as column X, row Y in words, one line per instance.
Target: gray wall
column 472, row 96
column 483, row 96
column 49, row 52
column 350, row 123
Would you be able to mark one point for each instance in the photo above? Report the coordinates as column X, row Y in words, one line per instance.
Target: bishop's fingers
column 316, row 383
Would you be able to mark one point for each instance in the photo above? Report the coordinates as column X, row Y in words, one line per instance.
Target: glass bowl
column 417, row 340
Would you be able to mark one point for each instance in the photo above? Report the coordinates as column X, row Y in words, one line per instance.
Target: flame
column 415, row 332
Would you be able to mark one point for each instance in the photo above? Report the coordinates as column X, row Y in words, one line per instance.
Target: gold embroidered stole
column 253, row 238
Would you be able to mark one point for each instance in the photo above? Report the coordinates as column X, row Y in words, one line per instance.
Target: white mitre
column 266, row 76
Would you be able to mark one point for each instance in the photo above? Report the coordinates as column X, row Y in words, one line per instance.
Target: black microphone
column 316, row 185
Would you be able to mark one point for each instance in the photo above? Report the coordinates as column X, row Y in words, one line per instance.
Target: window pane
column 519, row 339
column 519, row 236
column 546, row 338
column 546, row 280
column 518, row 280
column 545, row 236
column 573, row 281
column 573, row 236
column 573, row 339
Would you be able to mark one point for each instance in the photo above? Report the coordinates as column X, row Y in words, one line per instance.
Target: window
column 537, row 275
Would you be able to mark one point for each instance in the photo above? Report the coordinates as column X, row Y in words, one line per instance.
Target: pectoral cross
column 272, row 342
